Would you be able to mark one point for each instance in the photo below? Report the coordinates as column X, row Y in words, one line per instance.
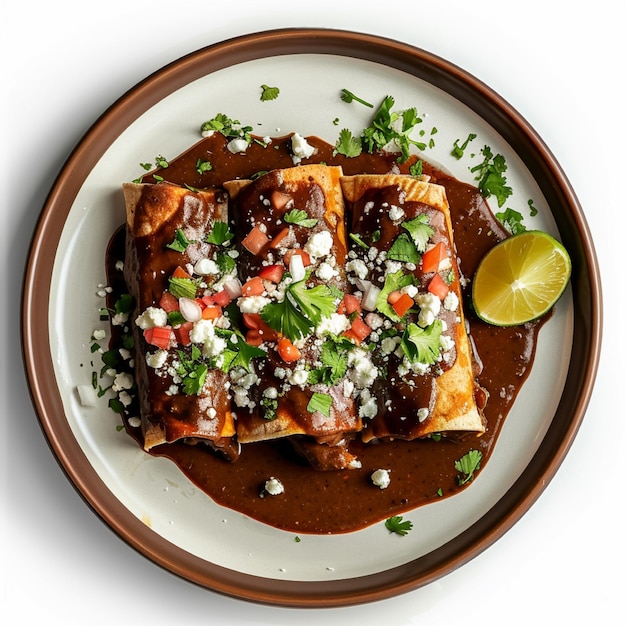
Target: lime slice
column 520, row 279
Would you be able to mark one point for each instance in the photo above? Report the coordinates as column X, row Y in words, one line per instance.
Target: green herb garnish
column 269, row 93
column 512, row 220
column 320, row 402
column 421, row 345
column 459, row 151
column 299, row 217
column 403, row 249
column 203, row 166
column 398, row 525
column 490, row 176
column 180, row 241
column 347, row 144
column 348, row 96
column 468, row 465
column 420, row 231
column 220, row 234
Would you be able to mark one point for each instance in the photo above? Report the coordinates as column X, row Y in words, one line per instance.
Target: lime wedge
column 520, row 279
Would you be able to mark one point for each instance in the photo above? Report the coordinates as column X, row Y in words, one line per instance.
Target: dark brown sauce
column 422, row 471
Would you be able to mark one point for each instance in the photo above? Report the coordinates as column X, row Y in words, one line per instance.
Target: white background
column 561, row 67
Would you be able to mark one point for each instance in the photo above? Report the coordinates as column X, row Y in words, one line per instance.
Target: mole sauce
column 422, row 471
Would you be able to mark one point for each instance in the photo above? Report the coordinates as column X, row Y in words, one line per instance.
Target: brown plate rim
column 587, row 327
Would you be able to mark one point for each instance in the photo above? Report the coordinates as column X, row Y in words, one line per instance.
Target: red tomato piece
column 255, row 240
column 287, row 351
column 402, row 304
column 253, row 287
column 159, row 336
column 431, row 259
column 168, row 302
column 273, row 273
column 438, row 287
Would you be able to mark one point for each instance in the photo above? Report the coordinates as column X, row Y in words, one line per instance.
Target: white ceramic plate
column 147, row 500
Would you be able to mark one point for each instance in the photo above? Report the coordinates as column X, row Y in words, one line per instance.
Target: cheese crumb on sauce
column 381, row 478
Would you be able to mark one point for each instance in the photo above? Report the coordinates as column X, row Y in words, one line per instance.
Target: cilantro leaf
column 180, row 241
column 358, row 240
column 203, row 166
column 347, row 144
column 403, row 249
column 239, row 353
column 459, row 151
column 397, row 525
column 348, row 96
column 512, row 220
column 316, row 302
column 228, row 127
column 299, row 218
column 420, row 231
column 219, row 234
column 333, row 357
column 393, row 282
column 468, row 465
column 285, row 318
column 182, row 287
column 421, row 345
column 490, row 176
column 269, row 93
column 320, row 402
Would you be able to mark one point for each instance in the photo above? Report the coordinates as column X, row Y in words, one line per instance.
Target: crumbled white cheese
column 252, row 304
column 203, row 332
column 368, row 406
column 451, row 301
column 205, row 266
column 335, row 324
column 319, row 244
column 99, row 334
column 422, row 414
column 125, row 398
column 300, row 148
column 357, row 267
column 363, row 372
column 86, row 395
column 396, row 213
column 429, row 305
column 271, row 393
column 446, row 342
column 122, row 381
column 156, row 359
column 274, row 487
column 298, row 377
column 381, row 478
column 152, row 317
column 237, row 145
column 326, row 271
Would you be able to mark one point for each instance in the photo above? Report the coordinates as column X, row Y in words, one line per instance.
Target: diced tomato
column 394, row 296
column 253, row 287
column 349, row 304
column 255, row 240
column 159, row 336
column 306, row 257
column 438, row 287
column 402, row 304
column 273, row 273
column 254, row 338
column 280, row 238
column 182, row 333
column 180, row 272
column 431, row 259
column 280, row 199
column 359, row 329
column 168, row 302
column 211, row 312
column 287, row 351
column 206, row 301
column 221, row 298
column 254, row 321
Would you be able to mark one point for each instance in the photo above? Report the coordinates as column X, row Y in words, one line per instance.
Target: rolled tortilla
column 415, row 398
column 277, row 405
column 156, row 216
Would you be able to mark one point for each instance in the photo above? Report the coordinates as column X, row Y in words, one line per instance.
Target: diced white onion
column 190, row 309
column 370, row 297
column 296, row 268
column 233, row 288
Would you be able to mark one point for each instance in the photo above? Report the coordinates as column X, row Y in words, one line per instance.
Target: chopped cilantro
column 420, row 231
column 398, row 525
column 226, row 126
column 161, row 162
column 393, row 282
column 320, row 402
column 299, row 218
column 192, row 370
column 459, row 151
column 225, row 262
column 182, row 287
column 269, row 93
column 220, row 234
column 512, row 220
column 417, row 168
column 180, row 241
column 146, row 166
column 490, row 176
column 203, row 166
column 532, row 207
column 358, row 240
column 421, row 345
column 333, row 357
column 347, row 144
column 468, row 465
column 403, row 249
column 240, row 352
column 300, row 310
column 348, row 96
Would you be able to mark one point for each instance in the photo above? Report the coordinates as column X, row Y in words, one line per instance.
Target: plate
column 146, row 500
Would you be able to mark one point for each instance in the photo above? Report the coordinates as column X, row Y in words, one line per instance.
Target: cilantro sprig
column 468, row 465
column 490, row 176
column 421, row 345
column 398, row 525
column 301, row 309
column 298, row 217
column 269, row 93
